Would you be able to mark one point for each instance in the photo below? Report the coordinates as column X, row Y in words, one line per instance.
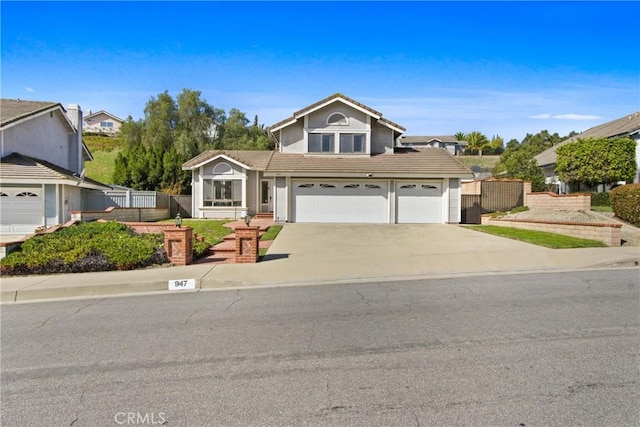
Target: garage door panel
column 21, row 211
column 343, row 201
column 419, row 202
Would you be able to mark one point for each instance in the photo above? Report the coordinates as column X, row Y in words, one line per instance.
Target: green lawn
column 212, row 230
column 101, row 167
column 541, row 238
column 601, row 208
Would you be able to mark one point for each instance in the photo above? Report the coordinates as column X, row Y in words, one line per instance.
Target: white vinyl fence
column 101, row 200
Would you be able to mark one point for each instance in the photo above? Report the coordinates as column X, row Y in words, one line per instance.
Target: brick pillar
column 247, row 249
column 178, row 243
column 526, row 190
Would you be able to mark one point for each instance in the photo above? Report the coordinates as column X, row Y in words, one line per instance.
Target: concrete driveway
column 359, row 252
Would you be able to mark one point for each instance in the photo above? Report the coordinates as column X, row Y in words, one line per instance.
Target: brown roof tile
column 428, row 162
column 254, row 159
column 12, row 110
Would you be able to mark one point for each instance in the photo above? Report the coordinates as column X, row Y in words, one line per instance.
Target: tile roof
column 428, row 162
column 315, row 105
column 428, row 138
column 620, row 127
column 12, row 110
column 18, row 167
column 257, row 160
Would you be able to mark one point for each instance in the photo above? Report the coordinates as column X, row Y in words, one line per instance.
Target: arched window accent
column 352, row 186
column 26, row 194
column 306, row 186
column 427, row 186
column 337, row 119
column 409, row 186
column 3, row 194
column 327, row 186
column 222, row 169
column 371, row 186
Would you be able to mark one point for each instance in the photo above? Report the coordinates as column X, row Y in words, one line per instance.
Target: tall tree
column 460, row 136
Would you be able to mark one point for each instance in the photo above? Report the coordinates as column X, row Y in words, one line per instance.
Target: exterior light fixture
column 178, row 220
column 247, row 220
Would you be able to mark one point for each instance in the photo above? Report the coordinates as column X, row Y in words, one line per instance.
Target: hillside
column 104, row 149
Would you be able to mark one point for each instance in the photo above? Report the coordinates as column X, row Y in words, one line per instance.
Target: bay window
column 222, row 192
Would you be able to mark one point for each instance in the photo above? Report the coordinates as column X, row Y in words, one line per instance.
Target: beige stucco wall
column 93, row 124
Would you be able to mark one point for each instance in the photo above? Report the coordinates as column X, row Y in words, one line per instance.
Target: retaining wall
column 565, row 202
column 609, row 234
column 123, row 214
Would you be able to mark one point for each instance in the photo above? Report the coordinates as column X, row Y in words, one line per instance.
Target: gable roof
column 13, row 110
column 405, row 162
column 92, row 115
column 426, row 139
column 257, row 160
column 275, row 128
column 624, row 126
column 18, row 168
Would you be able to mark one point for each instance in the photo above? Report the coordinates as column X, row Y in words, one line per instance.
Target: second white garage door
column 419, row 202
column 343, row 201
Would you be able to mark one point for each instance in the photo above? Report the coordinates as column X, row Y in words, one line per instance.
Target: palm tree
column 460, row 136
column 477, row 142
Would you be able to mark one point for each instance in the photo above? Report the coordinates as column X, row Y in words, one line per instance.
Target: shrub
column 518, row 209
column 200, row 248
column 86, row 247
column 625, row 202
column 600, row 199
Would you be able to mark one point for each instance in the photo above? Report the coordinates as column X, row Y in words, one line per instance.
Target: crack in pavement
column 367, row 304
column 68, row 314
column 240, row 298
column 191, row 315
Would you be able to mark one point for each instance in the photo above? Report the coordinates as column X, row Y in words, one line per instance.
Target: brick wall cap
column 537, row 221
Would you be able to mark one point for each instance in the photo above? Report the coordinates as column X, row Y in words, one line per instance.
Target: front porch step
column 265, row 215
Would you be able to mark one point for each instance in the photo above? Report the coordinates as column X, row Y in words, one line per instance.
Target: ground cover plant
column 94, row 246
column 540, row 238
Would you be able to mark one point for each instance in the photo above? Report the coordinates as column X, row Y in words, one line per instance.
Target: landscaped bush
column 86, row 247
column 600, row 199
column 200, row 248
column 625, row 202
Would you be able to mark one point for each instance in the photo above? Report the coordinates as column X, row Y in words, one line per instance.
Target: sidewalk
column 295, row 259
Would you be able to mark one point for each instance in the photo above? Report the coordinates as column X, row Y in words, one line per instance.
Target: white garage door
column 21, row 210
column 345, row 201
column 419, row 202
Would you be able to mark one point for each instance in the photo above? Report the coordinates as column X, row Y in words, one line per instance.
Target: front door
column 266, row 196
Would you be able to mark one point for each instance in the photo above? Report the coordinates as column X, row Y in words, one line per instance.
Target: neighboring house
column 449, row 142
column 42, row 165
column 625, row 126
column 102, row 122
column 335, row 161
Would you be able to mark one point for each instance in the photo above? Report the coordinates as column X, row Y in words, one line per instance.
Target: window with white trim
column 321, row 143
column 106, row 124
column 353, row 143
column 338, row 119
column 222, row 192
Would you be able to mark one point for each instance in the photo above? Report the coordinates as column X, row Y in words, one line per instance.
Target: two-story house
column 335, row 161
column 102, row 122
column 42, row 166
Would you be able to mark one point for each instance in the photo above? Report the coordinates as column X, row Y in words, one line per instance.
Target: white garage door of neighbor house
column 344, row 201
column 21, row 210
column 419, row 202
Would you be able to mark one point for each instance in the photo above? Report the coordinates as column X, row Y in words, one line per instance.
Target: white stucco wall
column 454, row 200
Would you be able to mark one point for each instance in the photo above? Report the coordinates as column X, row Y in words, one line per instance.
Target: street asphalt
column 305, row 254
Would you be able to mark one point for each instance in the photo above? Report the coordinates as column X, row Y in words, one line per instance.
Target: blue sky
column 506, row 68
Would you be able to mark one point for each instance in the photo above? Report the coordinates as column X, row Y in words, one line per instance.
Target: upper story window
column 106, row 124
column 222, row 169
column 321, row 143
column 353, row 143
column 337, row 119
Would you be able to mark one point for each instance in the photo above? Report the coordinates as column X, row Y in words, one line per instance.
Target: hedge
column 625, row 203
column 600, row 199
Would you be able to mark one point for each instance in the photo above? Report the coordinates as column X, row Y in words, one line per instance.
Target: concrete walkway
column 336, row 253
